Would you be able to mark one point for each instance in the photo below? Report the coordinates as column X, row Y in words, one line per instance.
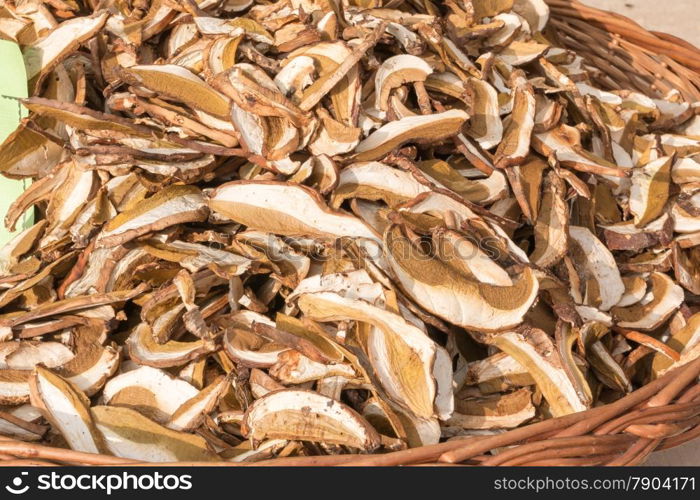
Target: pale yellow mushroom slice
column 191, row 413
column 536, row 12
column 25, row 355
column 485, row 123
column 433, row 127
column 67, row 409
column 14, row 386
column 392, row 341
column 150, row 391
column 93, row 363
column 552, row 225
column 650, row 190
column 376, row 181
column 662, row 300
column 439, row 287
column 144, row 349
column 176, row 204
column 45, row 54
column 534, row 350
column 128, row 434
column 176, row 82
column 599, row 265
column 256, row 205
column 498, row 411
column 514, row 148
column 396, row 71
column 308, row 416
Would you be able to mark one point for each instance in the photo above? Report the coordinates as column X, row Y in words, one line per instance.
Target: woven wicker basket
column 663, row 414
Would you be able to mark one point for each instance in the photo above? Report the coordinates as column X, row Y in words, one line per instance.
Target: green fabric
column 13, row 84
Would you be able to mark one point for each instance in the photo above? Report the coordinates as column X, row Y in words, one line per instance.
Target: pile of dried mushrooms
column 332, row 226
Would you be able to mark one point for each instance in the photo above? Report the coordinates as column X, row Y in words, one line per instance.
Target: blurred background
column 677, row 17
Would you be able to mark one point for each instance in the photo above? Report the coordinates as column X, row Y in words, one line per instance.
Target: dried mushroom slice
column 395, row 72
column 14, row 386
column 144, row 349
column 446, row 290
column 392, row 341
column 128, row 434
column 485, row 123
column 43, row 55
column 376, row 181
column 500, row 411
column 255, row 204
column 534, row 350
column 433, row 127
column 514, row 148
column 308, row 416
column 25, row 355
column 649, row 191
column 150, row 391
column 174, row 205
column 662, row 300
column 604, row 286
column 67, row 409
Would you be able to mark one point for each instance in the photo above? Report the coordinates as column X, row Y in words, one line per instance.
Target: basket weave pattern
column 663, row 414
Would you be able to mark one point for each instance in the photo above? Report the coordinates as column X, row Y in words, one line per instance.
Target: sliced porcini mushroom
column 535, row 12
column 415, row 387
column 635, row 290
column 534, row 350
column 627, row 236
column 514, row 148
column 649, row 191
column 685, row 342
column 128, row 434
column 662, row 300
column 42, row 56
column 606, row 369
column 192, row 412
column 442, row 288
column 686, row 266
column 604, row 285
column 150, row 391
column 433, row 127
column 333, row 137
column 552, row 225
column 14, row 386
column 485, row 123
column 67, row 409
column 292, row 367
column 25, row 355
column 497, row 373
column 255, row 96
column 505, row 411
column 686, row 213
column 179, row 83
column 93, row 362
column 376, row 181
column 255, row 205
column 144, row 349
column 477, row 190
column 195, row 256
column 396, row 71
column 307, row 416
column 173, row 205
column 27, row 152
column 21, row 422
column 518, row 53
column 250, row 349
column 565, row 143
